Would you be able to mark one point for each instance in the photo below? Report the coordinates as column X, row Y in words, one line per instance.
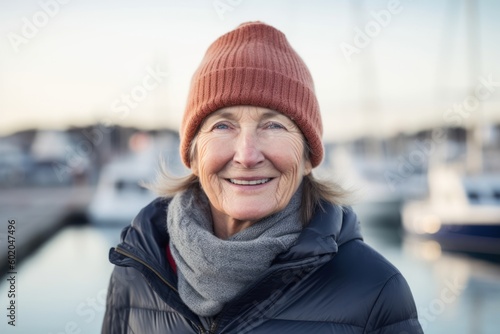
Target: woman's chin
column 251, row 215
column 243, row 211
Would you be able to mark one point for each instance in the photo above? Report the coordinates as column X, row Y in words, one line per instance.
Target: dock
column 38, row 212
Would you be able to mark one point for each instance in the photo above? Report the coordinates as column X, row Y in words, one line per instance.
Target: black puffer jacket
column 330, row 281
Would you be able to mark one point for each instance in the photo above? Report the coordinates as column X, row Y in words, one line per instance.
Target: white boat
column 119, row 196
column 462, row 212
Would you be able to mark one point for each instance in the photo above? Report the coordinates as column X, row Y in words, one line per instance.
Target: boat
column 462, row 212
column 119, row 194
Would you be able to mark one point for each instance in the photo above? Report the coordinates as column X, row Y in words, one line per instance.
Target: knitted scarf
column 212, row 271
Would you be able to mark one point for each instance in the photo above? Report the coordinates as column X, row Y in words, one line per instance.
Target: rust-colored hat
column 253, row 65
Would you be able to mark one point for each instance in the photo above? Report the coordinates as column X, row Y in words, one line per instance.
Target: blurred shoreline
column 39, row 213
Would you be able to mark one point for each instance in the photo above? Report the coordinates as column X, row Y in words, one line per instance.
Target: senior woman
column 251, row 241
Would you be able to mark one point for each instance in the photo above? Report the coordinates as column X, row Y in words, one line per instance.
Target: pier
column 38, row 212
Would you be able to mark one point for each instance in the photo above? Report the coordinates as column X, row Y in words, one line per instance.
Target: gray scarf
column 212, row 271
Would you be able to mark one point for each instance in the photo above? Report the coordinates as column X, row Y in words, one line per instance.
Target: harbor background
column 91, row 97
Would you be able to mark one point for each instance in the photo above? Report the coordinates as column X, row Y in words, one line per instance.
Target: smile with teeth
column 249, row 183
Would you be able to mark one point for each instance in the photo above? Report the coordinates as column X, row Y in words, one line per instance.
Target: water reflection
column 62, row 287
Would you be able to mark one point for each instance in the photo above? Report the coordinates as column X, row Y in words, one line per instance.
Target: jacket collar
column 331, row 226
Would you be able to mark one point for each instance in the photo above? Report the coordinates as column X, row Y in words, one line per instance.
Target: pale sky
column 75, row 63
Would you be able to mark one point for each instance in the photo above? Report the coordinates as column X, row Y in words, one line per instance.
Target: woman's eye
column 274, row 125
column 221, row 126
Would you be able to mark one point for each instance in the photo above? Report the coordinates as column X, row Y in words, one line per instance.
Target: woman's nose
column 248, row 152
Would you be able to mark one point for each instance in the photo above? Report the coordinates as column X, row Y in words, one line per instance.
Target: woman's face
column 250, row 161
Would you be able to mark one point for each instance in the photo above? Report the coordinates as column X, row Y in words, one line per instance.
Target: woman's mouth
column 249, row 182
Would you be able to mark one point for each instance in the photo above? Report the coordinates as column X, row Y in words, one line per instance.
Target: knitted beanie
column 253, row 65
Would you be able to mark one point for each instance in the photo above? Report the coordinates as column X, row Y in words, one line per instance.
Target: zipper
column 213, row 327
column 127, row 254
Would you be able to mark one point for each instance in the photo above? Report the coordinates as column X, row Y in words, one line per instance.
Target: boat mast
column 474, row 138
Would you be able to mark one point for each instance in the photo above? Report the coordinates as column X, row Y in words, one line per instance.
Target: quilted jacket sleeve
column 394, row 310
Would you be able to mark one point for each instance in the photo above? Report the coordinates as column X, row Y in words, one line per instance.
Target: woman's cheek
column 212, row 153
column 289, row 156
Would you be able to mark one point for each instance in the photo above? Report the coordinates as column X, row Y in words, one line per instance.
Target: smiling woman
column 251, row 241
column 250, row 162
